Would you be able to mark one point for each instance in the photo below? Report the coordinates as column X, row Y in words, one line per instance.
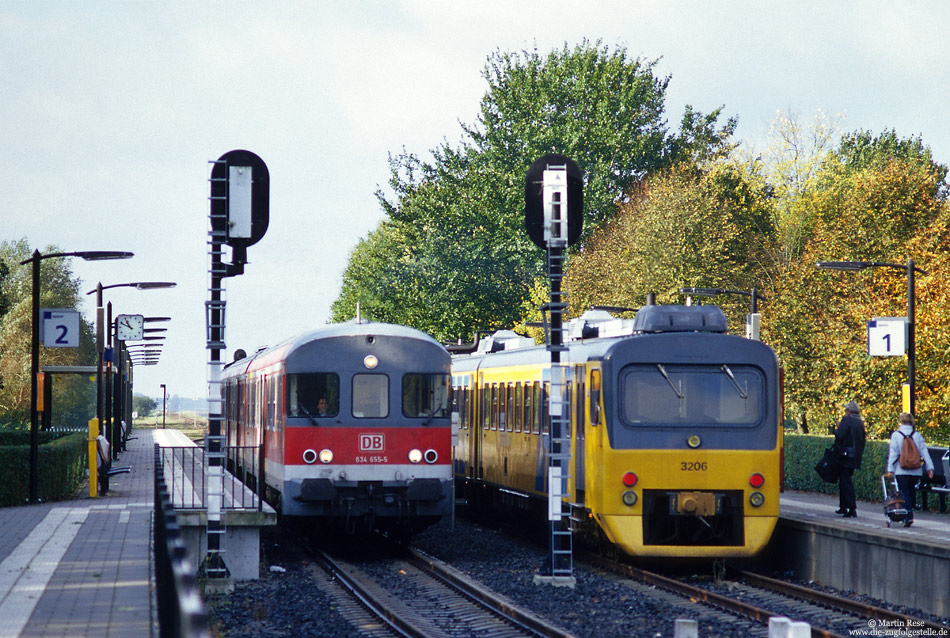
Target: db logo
column 372, row 443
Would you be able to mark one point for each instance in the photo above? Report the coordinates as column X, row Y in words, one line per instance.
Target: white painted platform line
column 25, row 573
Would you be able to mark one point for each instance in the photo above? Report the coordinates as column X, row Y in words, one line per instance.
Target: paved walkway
column 83, row 567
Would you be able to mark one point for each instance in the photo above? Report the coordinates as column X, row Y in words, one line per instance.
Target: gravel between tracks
column 288, row 604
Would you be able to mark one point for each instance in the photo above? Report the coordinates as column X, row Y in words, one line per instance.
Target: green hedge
column 802, row 452
column 62, row 467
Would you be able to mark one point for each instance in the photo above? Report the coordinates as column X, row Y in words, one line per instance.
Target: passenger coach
column 354, row 423
column 675, row 431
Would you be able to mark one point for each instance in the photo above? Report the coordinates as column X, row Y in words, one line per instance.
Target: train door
column 579, row 436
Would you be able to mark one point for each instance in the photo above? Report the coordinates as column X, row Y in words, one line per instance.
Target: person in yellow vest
column 907, row 477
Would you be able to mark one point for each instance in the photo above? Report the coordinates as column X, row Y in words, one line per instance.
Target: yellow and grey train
column 675, row 435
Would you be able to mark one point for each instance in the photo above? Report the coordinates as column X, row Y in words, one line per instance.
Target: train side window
column 518, row 410
column 486, row 407
column 535, row 408
column 494, row 406
column 270, row 396
column 595, row 397
column 370, row 396
column 502, row 408
column 425, row 395
column 546, row 408
column 305, row 391
column 510, row 408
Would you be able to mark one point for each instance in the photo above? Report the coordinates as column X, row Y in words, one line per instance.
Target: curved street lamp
column 102, row 338
column 88, row 255
column 910, row 269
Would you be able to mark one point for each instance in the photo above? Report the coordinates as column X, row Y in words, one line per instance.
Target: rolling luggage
column 895, row 510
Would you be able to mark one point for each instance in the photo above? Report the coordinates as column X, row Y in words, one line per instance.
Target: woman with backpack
column 907, row 459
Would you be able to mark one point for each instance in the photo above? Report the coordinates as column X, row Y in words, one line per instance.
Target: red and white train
column 354, row 423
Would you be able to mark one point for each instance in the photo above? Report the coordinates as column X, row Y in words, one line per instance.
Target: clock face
column 130, row 327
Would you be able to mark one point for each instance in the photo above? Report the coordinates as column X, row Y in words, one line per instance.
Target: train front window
column 370, row 396
column 425, row 395
column 313, row 395
column 720, row 395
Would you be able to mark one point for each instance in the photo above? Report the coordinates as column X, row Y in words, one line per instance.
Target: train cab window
column 425, row 395
column 313, row 395
column 370, row 396
column 692, row 395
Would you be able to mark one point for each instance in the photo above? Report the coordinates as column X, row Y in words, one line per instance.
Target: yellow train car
column 675, row 433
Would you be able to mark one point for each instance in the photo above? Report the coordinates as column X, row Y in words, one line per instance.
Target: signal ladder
column 559, row 452
column 213, row 565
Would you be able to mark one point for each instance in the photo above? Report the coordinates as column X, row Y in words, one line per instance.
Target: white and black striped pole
column 554, row 218
column 240, row 195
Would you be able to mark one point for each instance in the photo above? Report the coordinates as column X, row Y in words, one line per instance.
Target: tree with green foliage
column 143, row 405
column 874, row 199
column 685, row 227
column 453, row 256
column 58, row 289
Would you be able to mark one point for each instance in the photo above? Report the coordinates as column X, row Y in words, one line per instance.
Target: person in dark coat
column 849, row 448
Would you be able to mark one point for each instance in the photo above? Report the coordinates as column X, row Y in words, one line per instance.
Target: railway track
column 758, row 598
column 419, row 597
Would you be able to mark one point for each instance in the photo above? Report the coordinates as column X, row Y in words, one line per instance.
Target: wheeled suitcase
column 895, row 510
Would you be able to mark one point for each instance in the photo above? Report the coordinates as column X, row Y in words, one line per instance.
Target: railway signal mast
column 240, row 196
column 554, row 202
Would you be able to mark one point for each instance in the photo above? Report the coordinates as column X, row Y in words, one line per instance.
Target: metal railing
column 181, row 612
column 185, row 471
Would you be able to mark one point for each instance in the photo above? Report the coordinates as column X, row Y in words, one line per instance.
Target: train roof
column 353, row 328
column 593, row 334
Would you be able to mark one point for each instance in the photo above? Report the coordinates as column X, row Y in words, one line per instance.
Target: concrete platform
column 243, row 514
column 905, row 566
column 84, row 567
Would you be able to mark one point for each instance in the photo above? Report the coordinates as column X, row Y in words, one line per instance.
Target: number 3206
column 693, row 466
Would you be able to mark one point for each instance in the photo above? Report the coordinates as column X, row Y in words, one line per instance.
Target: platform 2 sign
column 59, row 327
column 887, row 336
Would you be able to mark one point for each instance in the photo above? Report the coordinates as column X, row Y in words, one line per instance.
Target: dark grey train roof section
column 680, row 319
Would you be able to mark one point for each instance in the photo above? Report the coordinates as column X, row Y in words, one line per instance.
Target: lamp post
column 90, row 255
column 910, row 269
column 163, row 406
column 101, row 337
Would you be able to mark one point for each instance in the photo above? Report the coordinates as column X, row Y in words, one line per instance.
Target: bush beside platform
column 802, row 452
column 63, row 461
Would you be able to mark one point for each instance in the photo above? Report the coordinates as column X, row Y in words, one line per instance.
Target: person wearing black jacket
column 849, row 448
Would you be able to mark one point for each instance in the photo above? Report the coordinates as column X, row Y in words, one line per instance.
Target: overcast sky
column 111, row 111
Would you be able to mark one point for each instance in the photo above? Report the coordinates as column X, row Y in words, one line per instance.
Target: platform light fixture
column 909, row 269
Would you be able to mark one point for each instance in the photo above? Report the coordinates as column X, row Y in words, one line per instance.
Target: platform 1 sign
column 59, row 327
column 887, row 336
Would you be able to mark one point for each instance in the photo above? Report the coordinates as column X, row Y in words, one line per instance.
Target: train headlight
column 630, row 479
column 326, row 455
column 309, row 457
column 629, row 498
column 694, row 441
column 756, row 480
column 431, row 456
column 370, row 361
column 756, row 499
column 415, row 455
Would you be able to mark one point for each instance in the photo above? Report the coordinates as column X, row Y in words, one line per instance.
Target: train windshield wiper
column 742, row 393
column 678, row 389
column 312, row 418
